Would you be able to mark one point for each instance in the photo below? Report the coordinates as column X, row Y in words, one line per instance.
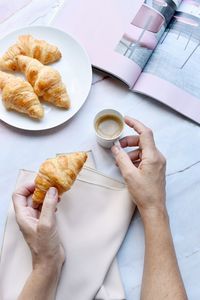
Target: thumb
column 49, row 206
column 123, row 161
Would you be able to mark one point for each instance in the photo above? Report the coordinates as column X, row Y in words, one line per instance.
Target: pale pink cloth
column 93, row 218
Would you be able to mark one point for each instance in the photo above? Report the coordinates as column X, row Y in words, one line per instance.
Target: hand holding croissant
column 59, row 172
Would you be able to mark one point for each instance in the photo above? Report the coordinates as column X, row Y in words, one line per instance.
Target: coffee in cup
column 108, row 125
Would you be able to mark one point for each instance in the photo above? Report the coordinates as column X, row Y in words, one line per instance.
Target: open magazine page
column 143, row 33
column 99, row 25
column 172, row 74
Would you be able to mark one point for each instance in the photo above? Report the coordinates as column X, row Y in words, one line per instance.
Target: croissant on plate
column 59, row 172
column 28, row 45
column 19, row 95
column 46, row 81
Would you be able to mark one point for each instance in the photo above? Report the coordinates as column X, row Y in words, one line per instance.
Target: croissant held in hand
column 18, row 95
column 28, row 45
column 59, row 172
column 45, row 80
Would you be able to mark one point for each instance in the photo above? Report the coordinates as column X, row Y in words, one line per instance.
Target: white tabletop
column 177, row 137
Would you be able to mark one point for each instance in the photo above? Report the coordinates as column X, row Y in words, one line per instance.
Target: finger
column 49, row 206
column 146, row 135
column 129, row 141
column 134, row 155
column 138, row 126
column 123, row 161
column 20, row 195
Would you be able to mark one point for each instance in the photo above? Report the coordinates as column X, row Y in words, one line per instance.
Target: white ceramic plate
column 74, row 67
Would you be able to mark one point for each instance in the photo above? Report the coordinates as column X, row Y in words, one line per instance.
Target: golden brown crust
column 8, row 60
column 41, row 50
column 18, row 95
column 46, row 81
column 27, row 45
column 59, row 172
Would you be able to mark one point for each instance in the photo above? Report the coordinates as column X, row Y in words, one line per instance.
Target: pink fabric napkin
column 93, row 218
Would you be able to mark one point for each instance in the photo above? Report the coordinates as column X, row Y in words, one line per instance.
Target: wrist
column 50, row 264
column 47, row 267
column 154, row 215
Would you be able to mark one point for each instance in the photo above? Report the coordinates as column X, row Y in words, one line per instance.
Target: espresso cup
column 108, row 125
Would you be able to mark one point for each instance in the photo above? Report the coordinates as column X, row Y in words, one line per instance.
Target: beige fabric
column 112, row 287
column 93, row 218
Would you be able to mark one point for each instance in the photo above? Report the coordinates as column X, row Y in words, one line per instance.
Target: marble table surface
column 177, row 137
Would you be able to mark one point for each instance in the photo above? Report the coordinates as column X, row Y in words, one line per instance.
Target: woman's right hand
column 143, row 168
column 40, row 228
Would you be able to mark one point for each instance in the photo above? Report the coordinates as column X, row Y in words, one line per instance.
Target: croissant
column 59, row 172
column 18, row 95
column 45, row 80
column 28, row 45
column 8, row 60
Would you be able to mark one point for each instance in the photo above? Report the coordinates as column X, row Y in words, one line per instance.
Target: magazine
column 153, row 46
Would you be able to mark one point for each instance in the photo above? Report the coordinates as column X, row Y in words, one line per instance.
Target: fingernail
column 115, row 150
column 52, row 192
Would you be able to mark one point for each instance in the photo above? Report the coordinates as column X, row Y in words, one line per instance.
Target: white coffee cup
column 109, row 126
